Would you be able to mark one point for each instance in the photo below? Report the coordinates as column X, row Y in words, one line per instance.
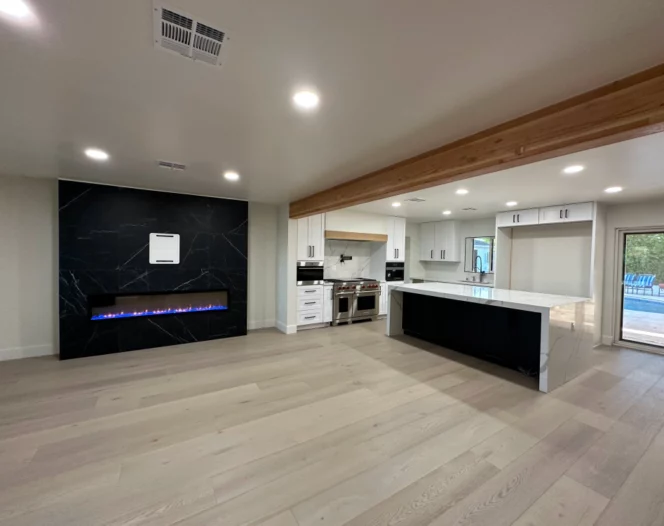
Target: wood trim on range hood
column 355, row 236
column 629, row 108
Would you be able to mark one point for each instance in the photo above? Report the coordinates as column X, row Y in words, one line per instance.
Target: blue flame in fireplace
column 158, row 312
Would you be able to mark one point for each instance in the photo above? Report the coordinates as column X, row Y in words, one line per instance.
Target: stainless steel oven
column 355, row 300
column 342, row 310
column 367, row 303
column 394, row 271
column 309, row 273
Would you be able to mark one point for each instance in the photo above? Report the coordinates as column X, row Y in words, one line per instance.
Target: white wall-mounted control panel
column 164, row 249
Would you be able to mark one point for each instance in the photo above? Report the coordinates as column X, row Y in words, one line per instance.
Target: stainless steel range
column 355, row 300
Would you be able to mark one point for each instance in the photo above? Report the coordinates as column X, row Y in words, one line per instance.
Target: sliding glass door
column 642, row 312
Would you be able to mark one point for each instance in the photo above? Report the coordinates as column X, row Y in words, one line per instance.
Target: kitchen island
column 545, row 336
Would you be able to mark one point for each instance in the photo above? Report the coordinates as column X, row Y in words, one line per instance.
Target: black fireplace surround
column 103, row 262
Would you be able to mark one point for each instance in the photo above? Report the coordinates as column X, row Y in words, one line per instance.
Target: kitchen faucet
column 479, row 268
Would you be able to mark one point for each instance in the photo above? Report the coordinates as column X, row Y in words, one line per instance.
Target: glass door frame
column 619, row 282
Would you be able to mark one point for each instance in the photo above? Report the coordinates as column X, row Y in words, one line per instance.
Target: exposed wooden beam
column 626, row 109
column 355, row 236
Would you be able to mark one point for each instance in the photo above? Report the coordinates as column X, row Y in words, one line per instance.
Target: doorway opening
column 642, row 297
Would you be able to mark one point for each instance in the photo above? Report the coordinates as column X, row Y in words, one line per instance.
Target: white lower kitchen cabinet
column 310, row 317
column 310, row 305
column 382, row 306
column 328, row 303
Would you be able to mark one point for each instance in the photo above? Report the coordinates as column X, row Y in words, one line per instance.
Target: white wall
column 444, row 271
column 552, row 259
column 28, row 267
column 349, row 221
column 413, row 266
column 637, row 215
column 286, row 272
column 262, row 272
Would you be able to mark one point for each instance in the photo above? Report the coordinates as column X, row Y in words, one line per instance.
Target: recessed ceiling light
column 396, row 204
column 574, row 169
column 462, row 191
column 613, row 189
column 306, row 100
column 511, row 203
column 447, row 212
column 231, row 176
column 15, row 8
column 96, row 154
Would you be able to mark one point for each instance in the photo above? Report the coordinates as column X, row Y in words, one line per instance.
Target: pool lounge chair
column 644, row 282
column 629, row 281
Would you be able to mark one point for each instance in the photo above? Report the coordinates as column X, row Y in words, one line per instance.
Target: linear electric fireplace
column 114, row 306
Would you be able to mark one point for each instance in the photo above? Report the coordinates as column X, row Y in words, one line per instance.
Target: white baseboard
column 261, row 324
column 16, row 353
column 607, row 339
column 286, row 329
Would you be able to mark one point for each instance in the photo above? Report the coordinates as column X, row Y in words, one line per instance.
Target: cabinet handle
column 310, row 303
column 310, row 291
column 566, row 212
column 313, row 251
column 444, row 254
column 513, row 218
column 441, row 254
column 561, row 213
column 309, row 317
column 432, row 254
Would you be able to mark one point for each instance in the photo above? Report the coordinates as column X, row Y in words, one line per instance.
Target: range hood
column 355, row 236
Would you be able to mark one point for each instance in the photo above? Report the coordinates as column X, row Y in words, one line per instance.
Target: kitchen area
column 345, row 262
column 347, row 259
column 518, row 288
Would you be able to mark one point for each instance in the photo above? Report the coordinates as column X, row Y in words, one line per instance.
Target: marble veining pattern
column 363, row 253
column 104, row 234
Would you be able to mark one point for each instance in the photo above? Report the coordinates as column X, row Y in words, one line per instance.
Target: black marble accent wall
column 104, row 235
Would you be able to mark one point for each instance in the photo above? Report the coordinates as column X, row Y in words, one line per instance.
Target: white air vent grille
column 415, row 200
column 183, row 34
column 172, row 166
column 470, row 209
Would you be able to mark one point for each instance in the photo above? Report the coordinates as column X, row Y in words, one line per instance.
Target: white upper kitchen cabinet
column 311, row 238
column 427, row 241
column 396, row 239
column 447, row 241
column 439, row 241
column 566, row 213
column 518, row 218
column 579, row 212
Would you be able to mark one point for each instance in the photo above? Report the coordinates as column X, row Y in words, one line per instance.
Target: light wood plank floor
column 327, row 427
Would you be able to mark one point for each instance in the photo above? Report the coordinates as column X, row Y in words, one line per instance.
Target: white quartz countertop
column 490, row 296
column 455, row 282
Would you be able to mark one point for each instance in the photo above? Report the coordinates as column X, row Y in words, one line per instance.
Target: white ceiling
column 637, row 166
column 396, row 78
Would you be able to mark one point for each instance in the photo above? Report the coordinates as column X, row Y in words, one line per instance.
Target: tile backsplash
column 358, row 267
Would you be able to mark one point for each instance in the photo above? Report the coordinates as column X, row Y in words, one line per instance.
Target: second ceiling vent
column 181, row 33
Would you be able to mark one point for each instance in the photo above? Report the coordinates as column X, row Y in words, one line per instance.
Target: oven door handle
column 368, row 292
